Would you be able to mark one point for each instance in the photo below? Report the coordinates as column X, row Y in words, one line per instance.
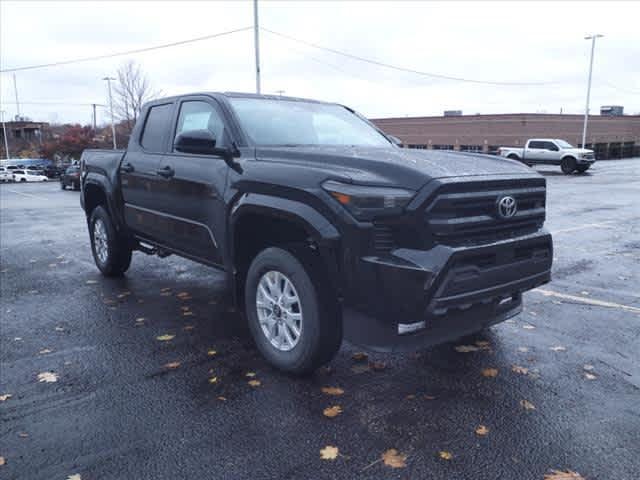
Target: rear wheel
column 568, row 165
column 292, row 312
column 111, row 252
column 582, row 168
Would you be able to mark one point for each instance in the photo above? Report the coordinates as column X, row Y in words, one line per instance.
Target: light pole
column 256, row 44
column 586, row 108
column 4, row 132
column 113, row 125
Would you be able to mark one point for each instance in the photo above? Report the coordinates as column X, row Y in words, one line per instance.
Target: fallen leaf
column 165, row 338
column 377, row 366
column 59, row 329
column 212, row 353
column 165, row 289
column 254, row 383
column 5, row 397
column 75, row 476
column 394, row 459
column 23, row 435
column 183, row 295
column 523, row 349
column 332, row 390
column 490, row 372
column 563, row 475
column 588, row 367
column 188, row 328
column 585, row 293
column 411, row 396
column 165, row 294
column 519, row 369
column 222, row 399
column 430, row 397
column 359, row 356
column 589, row 376
column 482, row 430
column 172, row 365
column 528, row 327
column 188, row 313
column 558, row 348
column 466, row 348
column 527, row 405
column 443, row 454
column 333, row 411
column 3, row 461
column 483, row 344
column 91, row 282
column 47, row 377
column 250, row 374
column 213, row 380
column 329, row 453
column 360, row 368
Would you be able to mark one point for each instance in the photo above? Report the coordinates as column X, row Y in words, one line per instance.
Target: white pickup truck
column 551, row 151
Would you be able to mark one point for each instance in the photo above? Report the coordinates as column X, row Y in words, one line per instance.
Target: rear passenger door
column 535, row 151
column 191, row 198
column 139, row 172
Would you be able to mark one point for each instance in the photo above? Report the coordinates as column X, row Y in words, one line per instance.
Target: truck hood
column 409, row 168
column 577, row 151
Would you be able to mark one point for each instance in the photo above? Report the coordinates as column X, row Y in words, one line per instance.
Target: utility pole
column 113, row 122
column 280, row 92
column 586, row 108
column 256, row 38
column 15, row 89
column 4, row 130
column 93, row 105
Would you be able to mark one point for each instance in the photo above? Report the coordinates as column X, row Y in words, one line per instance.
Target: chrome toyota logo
column 507, row 206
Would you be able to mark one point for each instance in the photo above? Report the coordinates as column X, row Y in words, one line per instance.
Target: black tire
column 568, row 165
column 118, row 251
column 62, row 186
column 513, row 156
column 582, row 168
column 321, row 324
column 23, row 180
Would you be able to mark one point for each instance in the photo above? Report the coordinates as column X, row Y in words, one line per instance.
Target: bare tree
column 131, row 91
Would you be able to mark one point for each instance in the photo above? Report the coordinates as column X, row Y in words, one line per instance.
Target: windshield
column 563, row 144
column 292, row 123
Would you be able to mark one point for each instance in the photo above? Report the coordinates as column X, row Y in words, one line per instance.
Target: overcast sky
column 506, row 42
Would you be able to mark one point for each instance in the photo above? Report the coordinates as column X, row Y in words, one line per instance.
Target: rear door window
column 536, row 145
column 155, row 128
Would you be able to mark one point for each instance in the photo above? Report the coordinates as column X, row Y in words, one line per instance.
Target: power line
column 403, row 69
column 129, row 52
column 70, row 104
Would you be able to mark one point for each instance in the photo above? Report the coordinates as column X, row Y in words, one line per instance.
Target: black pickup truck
column 324, row 227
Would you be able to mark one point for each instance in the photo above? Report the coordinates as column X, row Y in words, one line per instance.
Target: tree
column 132, row 90
column 70, row 143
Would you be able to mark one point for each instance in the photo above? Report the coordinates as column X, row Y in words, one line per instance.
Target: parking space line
column 27, row 194
column 588, row 301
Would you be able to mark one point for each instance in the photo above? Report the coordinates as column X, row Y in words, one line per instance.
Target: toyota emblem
column 507, row 206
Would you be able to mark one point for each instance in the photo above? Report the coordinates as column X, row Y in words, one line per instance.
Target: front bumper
column 442, row 293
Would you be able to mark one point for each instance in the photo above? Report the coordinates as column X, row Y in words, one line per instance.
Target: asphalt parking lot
column 153, row 376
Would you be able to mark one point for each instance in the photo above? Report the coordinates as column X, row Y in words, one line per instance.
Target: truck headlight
column 366, row 202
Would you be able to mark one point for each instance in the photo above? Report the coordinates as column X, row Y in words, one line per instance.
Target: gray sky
column 507, row 42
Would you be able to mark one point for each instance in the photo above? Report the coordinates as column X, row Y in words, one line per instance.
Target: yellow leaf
column 5, row 397
column 75, row 476
column 558, row 348
column 589, row 376
column 47, row 377
column 222, row 399
column 254, row 383
column 213, row 380
column 527, row 405
column 165, row 338
column 466, row 348
column 212, row 353
column 359, row 356
column 250, row 374
column 429, row 397
column 329, row 453
column 489, row 372
column 333, row 411
column 394, row 459
column 443, row 454
column 172, row 365
column 332, row 390
column 3, row 461
column 519, row 369
column 482, row 430
column 411, row 396
column 566, row 475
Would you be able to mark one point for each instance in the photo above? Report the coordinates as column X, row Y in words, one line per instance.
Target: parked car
column 549, row 151
column 70, row 178
column 5, row 175
column 53, row 171
column 28, row 176
column 323, row 227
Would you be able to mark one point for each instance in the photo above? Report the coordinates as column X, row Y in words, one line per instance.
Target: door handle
column 166, row 172
column 127, row 168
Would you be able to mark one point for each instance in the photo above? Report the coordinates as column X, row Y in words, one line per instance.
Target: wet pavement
column 134, row 360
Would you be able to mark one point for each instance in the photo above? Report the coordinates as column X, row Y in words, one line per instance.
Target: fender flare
column 100, row 182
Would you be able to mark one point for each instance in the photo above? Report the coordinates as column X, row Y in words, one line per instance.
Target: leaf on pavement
column 3, row 461
column 528, row 327
column 333, row 411
column 360, row 368
column 430, row 397
column 91, row 282
column 213, row 380
column 394, row 459
column 590, row 376
column 443, row 454
column 165, row 338
column 332, row 390
column 377, row 366
column 75, row 476
column 588, row 367
column 5, row 397
column 482, row 430
column 523, row 349
column 187, row 313
column 490, row 372
column 359, row 356
column 250, row 374
column 329, row 453
column 172, row 365
column 527, row 405
column 466, row 348
column 519, row 369
column 212, row 353
column 47, row 377
column 563, row 475
column 558, row 348
column 254, row 383
column 184, row 295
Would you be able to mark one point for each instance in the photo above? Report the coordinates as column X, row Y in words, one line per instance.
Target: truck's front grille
column 468, row 213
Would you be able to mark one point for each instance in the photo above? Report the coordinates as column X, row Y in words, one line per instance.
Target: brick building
column 609, row 136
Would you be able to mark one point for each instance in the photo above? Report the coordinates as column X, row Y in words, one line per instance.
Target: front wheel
column 292, row 312
column 568, row 165
column 111, row 253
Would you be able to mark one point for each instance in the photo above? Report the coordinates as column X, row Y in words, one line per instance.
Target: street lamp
column 586, row 108
column 4, row 131
column 113, row 125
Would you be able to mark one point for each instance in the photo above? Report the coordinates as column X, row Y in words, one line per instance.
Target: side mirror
column 396, row 141
column 199, row 142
